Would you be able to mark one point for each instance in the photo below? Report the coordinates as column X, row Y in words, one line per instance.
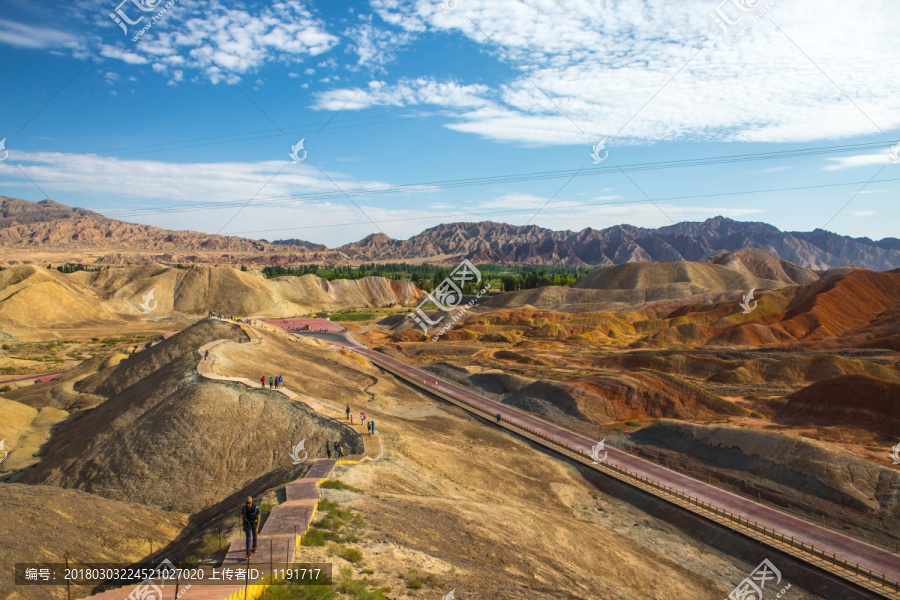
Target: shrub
column 358, row 589
column 415, row 584
column 351, row 555
column 313, row 537
column 617, row 429
column 212, row 544
column 334, row 484
column 328, row 523
column 633, row 423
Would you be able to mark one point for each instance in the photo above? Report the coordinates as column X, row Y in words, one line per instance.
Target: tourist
column 206, row 355
column 280, row 381
column 271, row 383
column 362, row 417
column 498, row 417
column 372, row 425
column 250, row 519
column 328, row 450
column 262, row 380
column 348, row 412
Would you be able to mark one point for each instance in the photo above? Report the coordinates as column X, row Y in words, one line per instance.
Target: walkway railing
column 839, row 566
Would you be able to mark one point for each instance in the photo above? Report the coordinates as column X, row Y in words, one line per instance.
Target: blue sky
column 425, row 105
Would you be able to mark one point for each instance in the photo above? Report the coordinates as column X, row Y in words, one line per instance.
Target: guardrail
column 878, row 583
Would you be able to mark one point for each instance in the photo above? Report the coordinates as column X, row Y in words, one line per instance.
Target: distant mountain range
column 687, row 241
column 49, row 227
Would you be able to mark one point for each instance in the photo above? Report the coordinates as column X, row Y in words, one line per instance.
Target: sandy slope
column 491, row 516
column 30, row 295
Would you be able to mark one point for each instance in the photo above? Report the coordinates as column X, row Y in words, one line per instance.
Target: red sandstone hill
column 853, row 400
column 852, row 307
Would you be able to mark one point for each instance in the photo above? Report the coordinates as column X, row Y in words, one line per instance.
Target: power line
column 578, row 205
column 498, row 179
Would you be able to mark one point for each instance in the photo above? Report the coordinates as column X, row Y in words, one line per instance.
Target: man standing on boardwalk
column 371, row 427
column 250, row 520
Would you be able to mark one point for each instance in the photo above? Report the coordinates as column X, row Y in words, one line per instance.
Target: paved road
column 42, row 376
column 868, row 556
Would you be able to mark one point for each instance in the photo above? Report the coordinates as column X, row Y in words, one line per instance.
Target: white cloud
column 859, row 160
column 275, row 213
column 124, row 55
column 103, row 177
column 584, row 70
column 223, row 38
column 419, row 91
column 27, row 36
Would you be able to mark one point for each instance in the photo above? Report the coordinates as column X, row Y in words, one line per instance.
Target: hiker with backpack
column 271, row 383
column 250, row 516
column 498, row 417
column 371, row 427
column 262, row 380
column 280, row 381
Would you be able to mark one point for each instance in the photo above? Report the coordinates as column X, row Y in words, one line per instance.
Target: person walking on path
column 362, row 417
column 328, row 449
column 351, row 419
column 498, row 417
column 372, row 427
column 271, row 383
column 262, row 380
column 280, row 381
column 336, row 455
column 250, row 520
column 348, row 412
column 340, row 450
column 206, row 355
